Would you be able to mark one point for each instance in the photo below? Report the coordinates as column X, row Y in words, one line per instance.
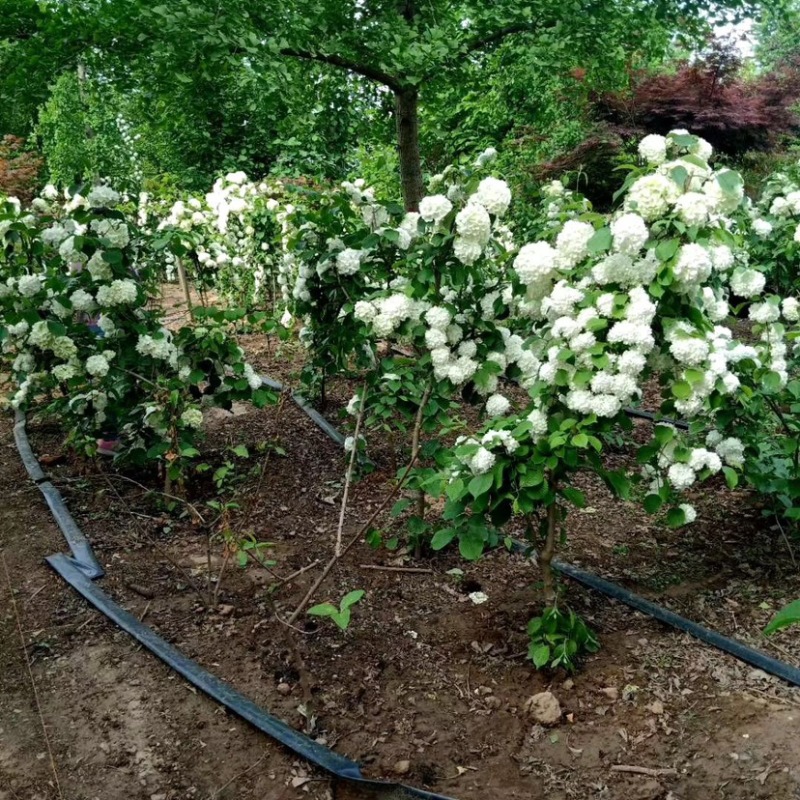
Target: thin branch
column 482, row 42
column 386, row 500
column 365, row 70
column 349, row 475
column 30, row 675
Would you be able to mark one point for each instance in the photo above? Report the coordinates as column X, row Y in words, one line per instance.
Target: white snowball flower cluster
column 114, row 231
column 118, row 293
column 192, row 418
column 434, row 208
column 629, row 233
column 348, row 261
column 653, row 149
column 97, row 366
column 494, row 195
column 102, row 197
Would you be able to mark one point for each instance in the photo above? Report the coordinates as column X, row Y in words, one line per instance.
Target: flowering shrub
column 78, row 328
column 773, row 225
column 226, row 238
column 613, row 304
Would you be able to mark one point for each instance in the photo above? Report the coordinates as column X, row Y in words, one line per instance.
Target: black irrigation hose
column 648, row 415
column 81, row 568
column 741, row 651
column 309, row 410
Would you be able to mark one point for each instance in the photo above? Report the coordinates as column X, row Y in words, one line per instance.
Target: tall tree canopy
column 218, row 82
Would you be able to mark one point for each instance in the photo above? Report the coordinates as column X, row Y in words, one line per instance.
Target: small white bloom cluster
column 117, row 293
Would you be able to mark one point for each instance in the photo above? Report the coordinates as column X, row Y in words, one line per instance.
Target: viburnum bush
column 614, row 307
column 773, row 225
column 226, row 238
column 81, row 334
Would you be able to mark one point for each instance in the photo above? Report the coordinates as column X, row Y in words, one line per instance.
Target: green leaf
column 323, row 610
column 580, row 440
column 652, row 503
column 539, row 654
column 731, row 477
column 666, row 250
column 676, row 517
column 442, row 538
column 399, row 507
column 351, row 598
column 600, row 241
column 682, row 390
column 771, row 382
column 470, row 545
column 574, row 496
column 663, row 434
column 730, row 181
column 790, row 615
column 481, row 484
column 241, row 451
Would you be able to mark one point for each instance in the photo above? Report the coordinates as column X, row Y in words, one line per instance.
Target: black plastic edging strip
column 308, row 409
column 217, row 689
column 741, row 651
column 82, row 552
column 648, row 415
column 29, row 460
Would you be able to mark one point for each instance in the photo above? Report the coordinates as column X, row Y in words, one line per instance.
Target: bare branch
column 372, row 73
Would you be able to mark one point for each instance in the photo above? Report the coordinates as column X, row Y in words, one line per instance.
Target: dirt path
column 121, row 725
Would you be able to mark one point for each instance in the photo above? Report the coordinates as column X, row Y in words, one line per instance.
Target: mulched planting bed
column 426, row 687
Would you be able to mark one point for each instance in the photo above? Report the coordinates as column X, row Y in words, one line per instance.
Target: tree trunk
column 546, row 556
column 407, row 113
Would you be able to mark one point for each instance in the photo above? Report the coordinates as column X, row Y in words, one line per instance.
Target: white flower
column 364, row 311
column 438, row 317
column 497, row 405
column 478, row 598
column 535, row 262
column 731, row 451
column 762, row 228
column 721, row 257
column 652, row 195
column 253, row 378
column 572, row 241
column 434, row 208
column 102, row 197
column 98, row 268
column 538, row 421
column 630, row 234
column 681, row 476
column 791, row 309
column 97, row 366
column 488, row 155
column 467, row 251
column 693, row 265
column 82, row 301
column 693, row 208
column 63, row 372
column 348, row 261
column 29, row 285
column 494, row 195
column 192, row 418
column 120, row 292
column 435, row 339
column 764, row 313
column 473, row 223
column 353, row 405
column 797, row 234
column 689, row 513
column 653, row 149
column 482, row 461
column 114, row 231
column 747, row 282
column 689, row 350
